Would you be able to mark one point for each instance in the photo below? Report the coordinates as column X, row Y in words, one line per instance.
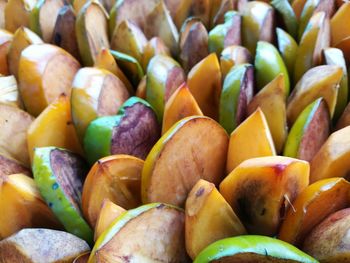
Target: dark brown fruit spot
column 176, row 77
column 246, row 95
column 69, row 170
column 137, row 132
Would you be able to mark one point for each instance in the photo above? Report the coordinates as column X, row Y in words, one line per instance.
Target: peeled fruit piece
column 237, row 92
column 154, row 47
column 14, row 124
column 22, row 38
column 9, row 93
column 326, row 241
column 108, row 213
column 218, row 10
column 59, row 176
column 271, row 100
column 195, row 148
column 288, row 16
column 193, row 43
column 321, row 81
column 91, row 31
column 54, row 127
column 82, row 258
column 17, row 13
column 5, row 41
column 331, row 159
column 133, row 131
column 208, row 218
column 164, row 76
column 261, row 190
column 257, row 24
column 95, row 93
column 315, row 38
column 118, row 178
column 232, row 56
column 309, row 132
column 180, row 105
column 312, row 206
column 298, row 6
column 245, row 249
column 150, row 233
column 9, row 166
column 344, row 119
column 41, row 246
column 268, row 64
column 344, row 46
column 41, row 81
column 43, row 17
column 141, row 88
column 24, row 206
column 339, row 22
column 252, row 138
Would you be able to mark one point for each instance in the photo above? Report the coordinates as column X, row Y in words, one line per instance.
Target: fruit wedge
column 95, row 93
column 10, row 166
column 9, row 93
column 41, row 245
column 285, row 10
column 309, row 132
column 194, row 148
column 17, row 13
column 218, row 10
column 59, row 176
column 118, row 178
column 331, row 159
column 252, row 138
column 261, row 190
column 2, row 13
column 312, row 206
column 54, row 127
column 252, row 248
column 24, row 206
column 208, row 218
column 150, row 233
column 155, row 46
column 133, row 131
column 321, row 81
column 341, row 18
column 41, row 81
column 5, row 41
column 141, row 88
column 233, row 55
column 344, row 119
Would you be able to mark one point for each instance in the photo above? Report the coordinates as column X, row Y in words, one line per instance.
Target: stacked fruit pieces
column 212, row 131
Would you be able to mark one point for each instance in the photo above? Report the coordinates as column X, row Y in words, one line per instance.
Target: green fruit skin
column 229, row 97
column 261, row 245
column 34, row 18
column 268, row 65
column 54, row 196
column 287, row 12
column 130, row 102
column 299, row 127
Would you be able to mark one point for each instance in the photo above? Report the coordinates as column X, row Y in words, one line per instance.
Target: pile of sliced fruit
column 174, row 131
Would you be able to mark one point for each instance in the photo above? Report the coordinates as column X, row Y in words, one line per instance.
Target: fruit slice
column 232, row 56
column 141, row 88
column 321, row 81
column 41, row 245
column 325, row 241
column 271, row 100
column 9, row 92
column 252, row 138
column 298, row 6
column 247, row 249
column 180, row 105
column 331, row 159
column 43, row 17
column 24, row 206
column 268, row 64
column 193, row 43
column 154, row 47
column 41, row 81
column 9, row 166
column 339, row 30
column 286, row 11
column 185, row 153
column 334, row 56
column 22, row 38
column 309, row 132
column 54, row 127
column 118, row 178
column 344, row 120
column 95, row 93
column 17, row 13
column 226, row 34
column 164, row 76
column 312, row 206
column 63, row 34
column 5, row 41
column 59, row 176
column 208, row 218
column 14, row 124
column 218, row 10
column 260, row 191
column 91, row 31
column 236, row 94
column 108, row 213
column 133, row 131
column 257, row 24
column 150, row 233
column 315, row 38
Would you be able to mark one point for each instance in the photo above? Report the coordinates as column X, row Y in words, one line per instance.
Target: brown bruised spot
column 176, row 77
column 136, row 133
column 69, row 170
column 233, row 36
column 10, row 166
column 316, row 133
column 245, row 95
